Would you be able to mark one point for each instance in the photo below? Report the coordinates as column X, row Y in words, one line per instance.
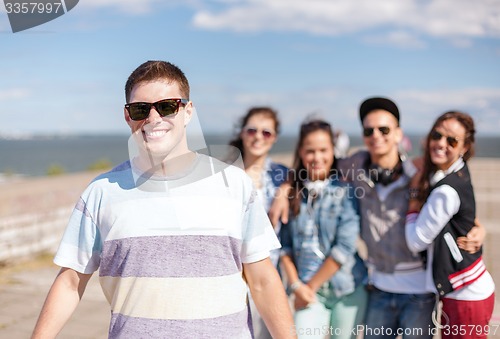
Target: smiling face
column 159, row 138
column 316, row 154
column 258, row 135
column 379, row 144
column 442, row 154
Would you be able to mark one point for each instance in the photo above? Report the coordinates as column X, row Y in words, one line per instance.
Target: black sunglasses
column 368, row 131
column 452, row 141
column 140, row 110
column 252, row 131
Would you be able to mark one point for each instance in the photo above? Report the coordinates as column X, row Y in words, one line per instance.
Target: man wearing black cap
column 398, row 300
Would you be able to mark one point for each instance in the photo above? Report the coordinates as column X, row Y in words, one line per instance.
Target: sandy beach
column 35, row 208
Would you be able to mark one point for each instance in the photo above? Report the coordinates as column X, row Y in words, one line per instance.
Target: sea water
column 34, row 156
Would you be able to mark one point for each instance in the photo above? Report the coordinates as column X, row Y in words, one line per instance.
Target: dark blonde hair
column 157, row 70
column 468, row 123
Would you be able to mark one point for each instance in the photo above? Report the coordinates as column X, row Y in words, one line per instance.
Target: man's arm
column 62, row 299
column 474, row 239
column 280, row 206
column 270, row 298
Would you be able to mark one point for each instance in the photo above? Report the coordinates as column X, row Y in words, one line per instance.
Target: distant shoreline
column 285, row 158
column 73, row 154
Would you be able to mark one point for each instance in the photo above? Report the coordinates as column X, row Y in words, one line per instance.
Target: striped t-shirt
column 170, row 250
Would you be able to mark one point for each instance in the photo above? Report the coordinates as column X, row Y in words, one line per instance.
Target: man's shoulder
column 348, row 168
column 120, row 174
column 356, row 160
column 231, row 173
column 218, row 165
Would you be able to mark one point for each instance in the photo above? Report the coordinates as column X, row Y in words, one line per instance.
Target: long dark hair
column 468, row 123
column 267, row 111
column 299, row 173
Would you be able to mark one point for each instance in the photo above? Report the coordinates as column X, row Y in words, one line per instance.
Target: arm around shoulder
column 280, row 206
column 474, row 239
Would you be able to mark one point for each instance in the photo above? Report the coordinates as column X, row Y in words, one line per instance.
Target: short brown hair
column 157, row 70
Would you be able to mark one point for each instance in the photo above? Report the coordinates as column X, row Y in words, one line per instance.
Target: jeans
column 392, row 314
column 333, row 317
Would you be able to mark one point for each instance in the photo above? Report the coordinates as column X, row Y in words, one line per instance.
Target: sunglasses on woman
column 140, row 110
column 368, row 131
column 452, row 141
column 252, row 131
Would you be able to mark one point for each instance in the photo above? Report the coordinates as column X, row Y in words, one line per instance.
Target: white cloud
column 401, row 39
column 126, row 6
column 477, row 97
column 401, row 21
column 13, row 94
column 314, row 16
column 339, row 105
column 460, row 18
column 425, row 106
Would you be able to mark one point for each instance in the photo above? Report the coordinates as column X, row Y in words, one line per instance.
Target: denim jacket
column 273, row 176
column 336, row 217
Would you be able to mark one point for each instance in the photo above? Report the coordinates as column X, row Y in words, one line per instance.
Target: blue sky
column 300, row 57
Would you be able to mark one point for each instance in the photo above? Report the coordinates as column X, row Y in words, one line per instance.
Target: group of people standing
column 415, row 218
column 187, row 246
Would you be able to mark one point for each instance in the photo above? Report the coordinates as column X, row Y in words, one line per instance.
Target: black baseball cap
column 374, row 103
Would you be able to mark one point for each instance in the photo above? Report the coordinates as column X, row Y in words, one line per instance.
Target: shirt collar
column 440, row 174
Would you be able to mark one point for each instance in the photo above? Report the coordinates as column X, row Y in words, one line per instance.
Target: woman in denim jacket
column 257, row 133
column 319, row 243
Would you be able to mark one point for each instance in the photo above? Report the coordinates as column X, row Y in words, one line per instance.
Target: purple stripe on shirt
column 232, row 326
column 171, row 256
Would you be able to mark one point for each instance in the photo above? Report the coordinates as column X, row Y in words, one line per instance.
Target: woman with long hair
column 257, row 132
column 320, row 260
column 445, row 197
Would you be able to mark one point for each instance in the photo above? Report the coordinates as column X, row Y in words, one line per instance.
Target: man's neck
column 166, row 167
column 388, row 161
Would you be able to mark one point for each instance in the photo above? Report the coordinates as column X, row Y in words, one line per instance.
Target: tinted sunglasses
column 452, row 141
column 368, row 131
column 252, row 131
column 140, row 110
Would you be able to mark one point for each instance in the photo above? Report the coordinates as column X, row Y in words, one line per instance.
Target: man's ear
column 188, row 113
column 398, row 134
column 126, row 116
